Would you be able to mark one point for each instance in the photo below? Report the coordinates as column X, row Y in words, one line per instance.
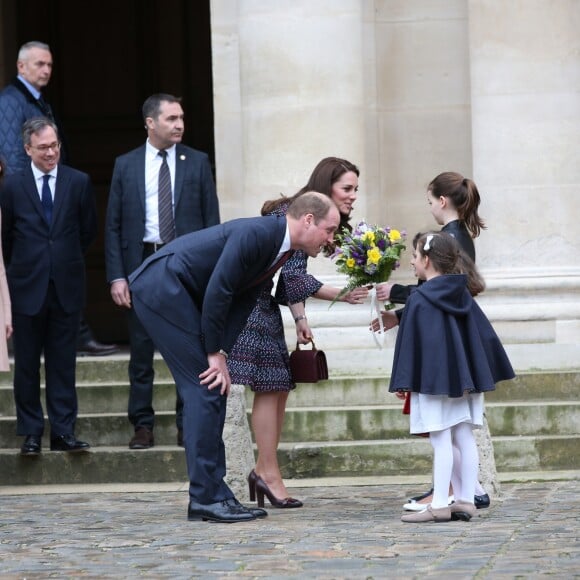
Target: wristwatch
column 223, row 352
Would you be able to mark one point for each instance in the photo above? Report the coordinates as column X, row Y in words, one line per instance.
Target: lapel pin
column 182, row 157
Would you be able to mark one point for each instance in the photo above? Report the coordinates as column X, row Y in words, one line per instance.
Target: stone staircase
column 329, row 431
column 346, row 426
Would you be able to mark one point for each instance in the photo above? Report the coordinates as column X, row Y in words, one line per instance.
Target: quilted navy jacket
column 16, row 106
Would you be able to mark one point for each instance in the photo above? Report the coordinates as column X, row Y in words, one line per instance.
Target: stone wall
column 407, row 89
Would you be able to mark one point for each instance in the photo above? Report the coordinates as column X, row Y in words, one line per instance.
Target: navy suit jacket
column 36, row 252
column 195, row 201
column 216, row 269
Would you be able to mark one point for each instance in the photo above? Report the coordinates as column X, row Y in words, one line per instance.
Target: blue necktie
column 46, row 198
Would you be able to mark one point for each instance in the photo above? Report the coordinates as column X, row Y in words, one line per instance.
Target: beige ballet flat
column 429, row 514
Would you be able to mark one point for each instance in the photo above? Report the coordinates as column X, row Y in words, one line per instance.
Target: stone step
column 364, row 361
column 97, row 396
column 101, row 398
column 102, row 370
column 100, row 465
column 388, row 422
column 400, row 457
column 372, row 389
column 370, row 422
column 111, row 429
column 328, row 432
column 414, row 456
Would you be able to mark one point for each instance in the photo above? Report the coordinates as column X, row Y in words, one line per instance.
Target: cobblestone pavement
column 342, row 532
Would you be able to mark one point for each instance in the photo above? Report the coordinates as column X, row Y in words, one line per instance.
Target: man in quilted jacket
column 22, row 100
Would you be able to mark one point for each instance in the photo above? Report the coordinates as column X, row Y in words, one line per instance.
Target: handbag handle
column 311, row 340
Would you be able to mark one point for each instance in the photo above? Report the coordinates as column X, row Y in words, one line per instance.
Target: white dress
column 438, row 412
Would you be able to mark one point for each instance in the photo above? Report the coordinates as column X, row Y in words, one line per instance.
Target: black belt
column 152, row 246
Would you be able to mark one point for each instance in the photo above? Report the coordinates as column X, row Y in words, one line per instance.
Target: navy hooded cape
column 445, row 344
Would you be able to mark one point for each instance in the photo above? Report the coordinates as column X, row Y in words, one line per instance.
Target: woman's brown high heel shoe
column 252, row 478
column 262, row 490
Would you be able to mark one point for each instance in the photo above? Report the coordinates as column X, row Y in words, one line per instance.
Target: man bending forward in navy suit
column 194, row 297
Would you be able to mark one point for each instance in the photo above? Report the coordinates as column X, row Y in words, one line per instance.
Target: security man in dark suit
column 140, row 220
column 49, row 221
column 194, row 297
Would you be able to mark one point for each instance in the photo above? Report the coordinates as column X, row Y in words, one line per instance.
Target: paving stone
column 342, row 532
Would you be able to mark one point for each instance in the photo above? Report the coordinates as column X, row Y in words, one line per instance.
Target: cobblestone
column 347, row 531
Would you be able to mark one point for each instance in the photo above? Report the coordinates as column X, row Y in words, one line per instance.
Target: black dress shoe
column 225, row 512
column 31, row 446
column 420, row 497
column 142, row 439
column 94, row 348
column 68, row 443
column 180, row 438
column 258, row 512
column 481, row 501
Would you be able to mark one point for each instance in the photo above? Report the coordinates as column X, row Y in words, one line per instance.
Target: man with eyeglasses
column 48, row 221
column 21, row 100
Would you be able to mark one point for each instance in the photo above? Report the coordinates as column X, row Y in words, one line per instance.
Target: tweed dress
column 259, row 358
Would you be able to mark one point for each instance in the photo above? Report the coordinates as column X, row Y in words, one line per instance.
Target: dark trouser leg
column 85, row 334
column 60, row 369
column 204, row 411
column 178, row 409
column 27, row 343
column 141, row 374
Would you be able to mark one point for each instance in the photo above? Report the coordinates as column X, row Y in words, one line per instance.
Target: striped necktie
column 166, row 221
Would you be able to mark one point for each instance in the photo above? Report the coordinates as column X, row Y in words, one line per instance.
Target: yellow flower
column 374, row 255
column 350, row 263
column 369, row 237
column 394, row 236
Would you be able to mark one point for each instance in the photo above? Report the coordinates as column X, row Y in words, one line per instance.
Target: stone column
column 289, row 91
column 525, row 99
column 525, row 89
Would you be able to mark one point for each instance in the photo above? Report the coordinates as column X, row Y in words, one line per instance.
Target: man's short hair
column 25, row 48
column 312, row 202
column 152, row 105
column 34, row 125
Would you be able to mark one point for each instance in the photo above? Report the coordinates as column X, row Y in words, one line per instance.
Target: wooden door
column 109, row 56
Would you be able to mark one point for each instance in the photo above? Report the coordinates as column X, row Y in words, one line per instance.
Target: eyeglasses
column 44, row 148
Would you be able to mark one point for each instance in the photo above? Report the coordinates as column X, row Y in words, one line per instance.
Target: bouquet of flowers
column 368, row 254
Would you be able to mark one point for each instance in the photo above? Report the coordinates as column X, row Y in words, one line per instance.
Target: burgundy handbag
column 308, row 365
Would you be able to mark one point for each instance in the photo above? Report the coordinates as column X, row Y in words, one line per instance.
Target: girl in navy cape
column 454, row 204
column 446, row 355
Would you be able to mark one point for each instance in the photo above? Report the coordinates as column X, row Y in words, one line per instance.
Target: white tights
column 455, row 476
column 460, row 436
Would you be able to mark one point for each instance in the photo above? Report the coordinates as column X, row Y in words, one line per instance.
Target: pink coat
column 5, row 317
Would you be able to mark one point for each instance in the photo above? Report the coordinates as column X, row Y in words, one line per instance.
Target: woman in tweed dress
column 260, row 356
